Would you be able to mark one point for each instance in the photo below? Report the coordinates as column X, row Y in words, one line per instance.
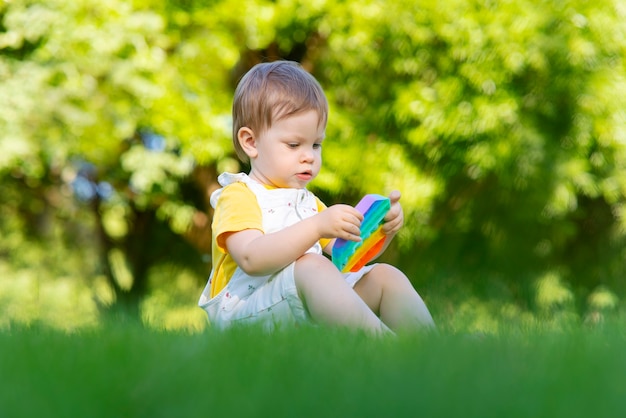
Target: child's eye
column 293, row 145
column 317, row 146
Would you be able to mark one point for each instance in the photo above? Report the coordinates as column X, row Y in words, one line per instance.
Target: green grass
column 130, row 371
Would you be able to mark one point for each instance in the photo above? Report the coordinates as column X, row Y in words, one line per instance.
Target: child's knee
column 315, row 270
column 311, row 265
column 312, row 260
column 387, row 275
column 387, row 271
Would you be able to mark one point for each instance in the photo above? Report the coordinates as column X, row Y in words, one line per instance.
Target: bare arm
column 259, row 254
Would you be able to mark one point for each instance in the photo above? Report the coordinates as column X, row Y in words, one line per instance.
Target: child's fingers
column 395, row 217
column 394, row 213
column 392, row 227
column 356, row 213
column 344, row 222
column 394, row 196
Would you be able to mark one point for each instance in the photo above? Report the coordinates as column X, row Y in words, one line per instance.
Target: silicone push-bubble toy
column 350, row 256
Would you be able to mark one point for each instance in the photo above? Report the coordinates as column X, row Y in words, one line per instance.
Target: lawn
column 131, row 371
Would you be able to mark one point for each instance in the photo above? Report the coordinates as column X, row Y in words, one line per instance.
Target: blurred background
column 503, row 123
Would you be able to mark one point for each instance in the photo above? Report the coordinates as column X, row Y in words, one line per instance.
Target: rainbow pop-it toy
column 350, row 256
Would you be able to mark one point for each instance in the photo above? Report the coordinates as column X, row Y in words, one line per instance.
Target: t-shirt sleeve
column 236, row 210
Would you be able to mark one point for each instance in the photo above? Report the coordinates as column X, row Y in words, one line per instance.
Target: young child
column 269, row 231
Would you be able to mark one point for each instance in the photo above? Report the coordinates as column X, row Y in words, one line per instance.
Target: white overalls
column 271, row 299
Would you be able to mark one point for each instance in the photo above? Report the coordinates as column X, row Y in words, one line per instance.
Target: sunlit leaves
column 552, row 293
column 114, row 220
column 154, row 173
column 502, row 123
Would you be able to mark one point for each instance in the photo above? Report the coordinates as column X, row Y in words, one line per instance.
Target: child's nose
column 308, row 156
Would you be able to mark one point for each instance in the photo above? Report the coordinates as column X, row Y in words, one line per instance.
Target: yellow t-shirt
column 237, row 210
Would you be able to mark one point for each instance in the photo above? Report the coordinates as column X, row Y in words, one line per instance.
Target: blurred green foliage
column 502, row 123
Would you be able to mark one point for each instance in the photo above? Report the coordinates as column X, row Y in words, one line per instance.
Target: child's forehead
column 279, row 114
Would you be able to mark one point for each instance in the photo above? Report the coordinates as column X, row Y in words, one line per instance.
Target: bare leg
column 390, row 294
column 329, row 299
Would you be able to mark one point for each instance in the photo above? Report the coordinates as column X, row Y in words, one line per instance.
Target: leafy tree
column 501, row 123
column 98, row 107
column 505, row 121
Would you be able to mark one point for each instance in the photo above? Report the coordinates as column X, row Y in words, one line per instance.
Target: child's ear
column 247, row 140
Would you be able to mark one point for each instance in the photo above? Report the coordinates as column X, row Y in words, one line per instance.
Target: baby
column 269, row 231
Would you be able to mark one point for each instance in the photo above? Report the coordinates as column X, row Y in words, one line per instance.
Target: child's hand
column 340, row 221
column 395, row 217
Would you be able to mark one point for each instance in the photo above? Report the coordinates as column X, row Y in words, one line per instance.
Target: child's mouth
column 304, row 176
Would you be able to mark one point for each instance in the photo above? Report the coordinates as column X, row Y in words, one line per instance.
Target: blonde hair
column 272, row 91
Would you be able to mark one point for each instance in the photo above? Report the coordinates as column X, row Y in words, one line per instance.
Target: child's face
column 289, row 154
